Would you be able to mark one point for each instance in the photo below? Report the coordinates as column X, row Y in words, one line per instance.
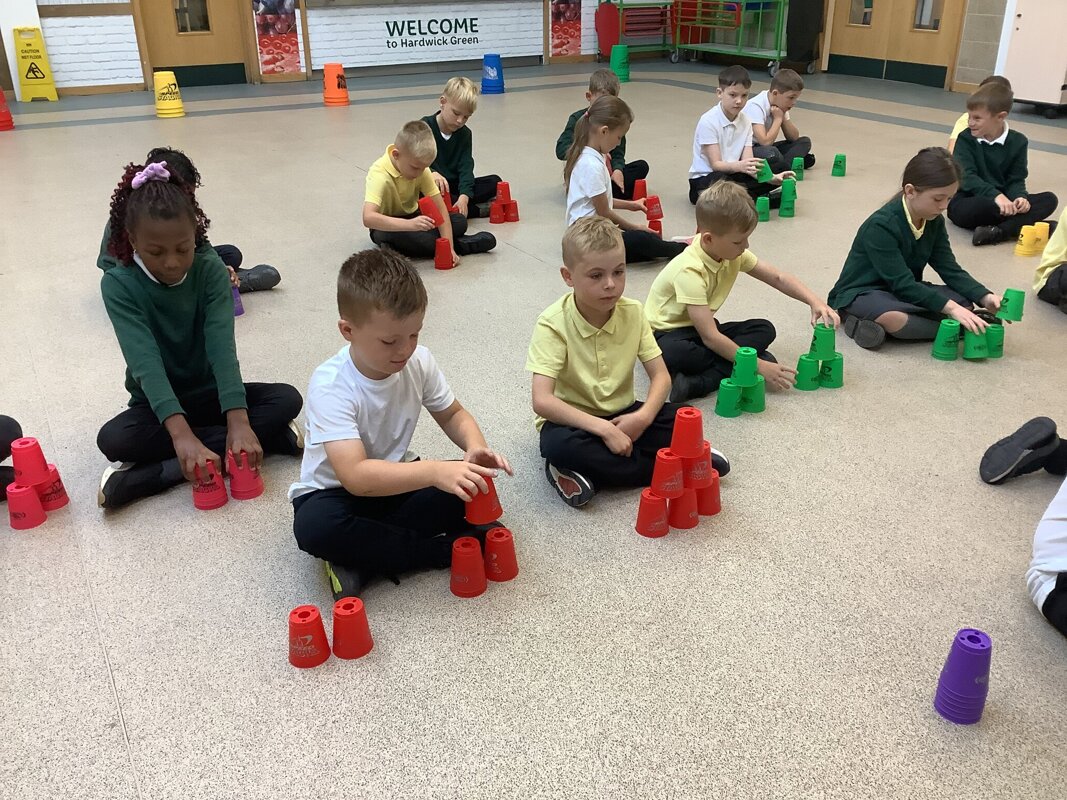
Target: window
column 192, row 16
column 928, row 14
column 859, row 13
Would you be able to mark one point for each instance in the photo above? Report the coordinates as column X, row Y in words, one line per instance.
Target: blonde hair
column 605, row 111
column 725, row 207
column 590, row 235
column 463, row 93
column 604, row 81
column 416, row 140
column 787, row 80
column 378, row 280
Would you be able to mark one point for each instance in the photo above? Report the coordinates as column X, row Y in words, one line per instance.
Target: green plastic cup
column 975, row 346
column 994, row 339
column 746, row 370
column 763, row 209
column 787, row 208
column 798, row 167
column 832, row 372
column 728, row 401
column 1011, row 305
column 764, row 174
column 789, row 189
column 947, row 341
column 838, row 170
column 822, row 342
column 620, row 62
column 754, row 398
column 807, row 373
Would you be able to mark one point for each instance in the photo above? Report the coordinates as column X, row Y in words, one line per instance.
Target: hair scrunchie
column 151, row 172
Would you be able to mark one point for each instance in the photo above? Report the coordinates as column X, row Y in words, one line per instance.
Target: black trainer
column 1023, row 451
column 868, row 334
column 683, row 387
column 809, row 161
column 987, row 234
column 478, row 243
column 345, row 581
column 573, row 488
column 128, row 482
column 258, row 279
column 720, row 462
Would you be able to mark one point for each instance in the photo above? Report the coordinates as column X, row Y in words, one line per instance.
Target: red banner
column 276, row 35
column 566, row 30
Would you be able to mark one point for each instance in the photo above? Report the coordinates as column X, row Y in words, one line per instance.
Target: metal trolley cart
column 746, row 28
column 642, row 25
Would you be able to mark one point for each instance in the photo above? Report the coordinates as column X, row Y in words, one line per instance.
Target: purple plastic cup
column 238, row 306
column 964, row 682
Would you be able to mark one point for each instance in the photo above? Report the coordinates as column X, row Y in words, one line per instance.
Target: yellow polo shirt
column 593, row 367
column 959, row 127
column 1055, row 253
column 692, row 278
column 395, row 195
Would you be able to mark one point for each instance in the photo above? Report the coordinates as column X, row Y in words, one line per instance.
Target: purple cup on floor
column 964, row 681
column 238, row 306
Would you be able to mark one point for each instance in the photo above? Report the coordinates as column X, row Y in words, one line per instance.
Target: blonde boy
column 453, row 167
column 594, row 433
column 604, row 83
column 699, row 350
column 391, row 202
column 775, row 136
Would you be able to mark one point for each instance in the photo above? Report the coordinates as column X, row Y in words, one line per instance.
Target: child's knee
column 9, row 431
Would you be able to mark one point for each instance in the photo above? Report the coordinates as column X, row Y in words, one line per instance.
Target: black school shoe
column 345, row 581
column 258, row 279
column 573, row 488
column 124, row 484
column 867, row 333
column 477, row 243
column 1024, row 451
column 987, row 234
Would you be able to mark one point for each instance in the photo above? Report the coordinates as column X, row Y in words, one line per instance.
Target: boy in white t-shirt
column 363, row 503
column 722, row 142
column 775, row 136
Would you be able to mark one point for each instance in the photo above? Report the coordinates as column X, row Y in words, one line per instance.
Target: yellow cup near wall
column 168, row 96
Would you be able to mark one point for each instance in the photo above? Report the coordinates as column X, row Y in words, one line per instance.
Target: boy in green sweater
column 172, row 309
column 992, row 200
column 604, row 83
column 453, row 168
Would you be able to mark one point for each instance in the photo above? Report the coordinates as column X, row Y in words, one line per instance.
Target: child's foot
column 685, row 387
column 258, row 279
column 987, row 234
column 1024, row 451
column 809, row 161
column 866, row 333
column 345, row 581
column 573, row 488
column 477, row 243
column 128, row 482
column 720, row 462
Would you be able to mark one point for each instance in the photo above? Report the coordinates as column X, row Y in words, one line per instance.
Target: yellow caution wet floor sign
column 35, row 73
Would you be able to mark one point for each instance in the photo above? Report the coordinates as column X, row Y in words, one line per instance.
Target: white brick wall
column 359, row 37
column 92, row 51
column 589, row 27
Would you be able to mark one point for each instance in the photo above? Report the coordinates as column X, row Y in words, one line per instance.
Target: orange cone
column 334, row 85
column 6, row 122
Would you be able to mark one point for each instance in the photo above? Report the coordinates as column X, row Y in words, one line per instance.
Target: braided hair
column 176, row 161
column 156, row 199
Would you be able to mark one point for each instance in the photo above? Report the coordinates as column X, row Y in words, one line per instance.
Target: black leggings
column 971, row 212
column 631, row 173
column 645, row 246
column 752, row 186
column 685, row 352
column 1055, row 289
column 418, row 244
column 229, row 254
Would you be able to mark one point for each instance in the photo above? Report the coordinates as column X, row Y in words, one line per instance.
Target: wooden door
column 206, row 41
column 861, row 34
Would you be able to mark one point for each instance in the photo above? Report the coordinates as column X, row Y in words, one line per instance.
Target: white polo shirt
column 758, row 111
column 589, row 178
column 732, row 137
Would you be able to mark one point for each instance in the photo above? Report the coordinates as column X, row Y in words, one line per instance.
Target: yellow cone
column 168, row 96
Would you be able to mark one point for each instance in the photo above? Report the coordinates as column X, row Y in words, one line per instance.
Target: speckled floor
column 787, row 648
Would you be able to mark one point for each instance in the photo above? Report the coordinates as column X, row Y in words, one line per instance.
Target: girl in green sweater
column 881, row 289
column 172, row 309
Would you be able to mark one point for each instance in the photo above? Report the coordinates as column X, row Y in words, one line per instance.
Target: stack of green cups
column 764, row 173
column 754, row 398
column 763, row 208
column 975, row 346
column 807, row 373
column 620, row 62
column 832, row 372
column 744, row 389
column 728, row 401
column 822, row 342
column 947, row 341
column 798, row 167
column 1011, row 305
column 994, row 339
column 788, row 208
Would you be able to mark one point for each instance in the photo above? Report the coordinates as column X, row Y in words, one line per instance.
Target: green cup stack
column 947, row 341
column 798, row 167
column 728, row 400
column 763, row 208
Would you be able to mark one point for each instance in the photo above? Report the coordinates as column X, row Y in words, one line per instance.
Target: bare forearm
column 658, row 391
column 792, row 133
column 792, row 286
column 376, row 478
column 462, row 429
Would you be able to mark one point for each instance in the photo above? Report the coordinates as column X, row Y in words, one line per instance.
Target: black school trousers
column 645, row 246
column 970, row 212
column 380, row 535
column 418, row 244
column 685, row 352
column 484, row 191
column 632, row 172
column 1055, row 289
column 752, row 186
column 138, row 436
column 780, row 155
column 586, row 453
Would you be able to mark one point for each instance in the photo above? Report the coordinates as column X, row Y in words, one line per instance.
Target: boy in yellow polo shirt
column 594, row 433
column 391, row 203
column 1050, row 279
column 698, row 350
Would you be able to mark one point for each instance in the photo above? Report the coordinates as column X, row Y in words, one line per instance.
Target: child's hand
column 638, row 205
column 462, row 478
column 462, row 204
column 441, row 181
column 422, row 223
column 484, row 457
column 234, row 280
column 775, row 375
column 750, row 166
column 240, row 437
column 991, row 303
column 616, row 440
column 968, row 319
column 191, row 454
column 824, row 314
column 1022, row 205
column 616, row 176
column 1004, row 205
column 633, row 425
column 455, row 257
column 777, row 114
column 781, row 176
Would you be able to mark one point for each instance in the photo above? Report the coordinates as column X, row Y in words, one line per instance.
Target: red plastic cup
column 468, row 568
column 652, row 515
column 653, row 209
column 484, row 508
column 682, row 511
column 511, row 211
column 28, row 461
column 307, row 638
column 447, row 197
column 503, row 192
column 209, row 492
column 708, row 502
column 688, row 437
column 24, row 507
column 656, row 226
column 52, row 492
column 667, row 476
column 500, row 562
column 351, row 631
column 497, row 213
column 442, row 254
column 697, row 471
column 640, row 188
column 428, row 208
column 245, row 483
